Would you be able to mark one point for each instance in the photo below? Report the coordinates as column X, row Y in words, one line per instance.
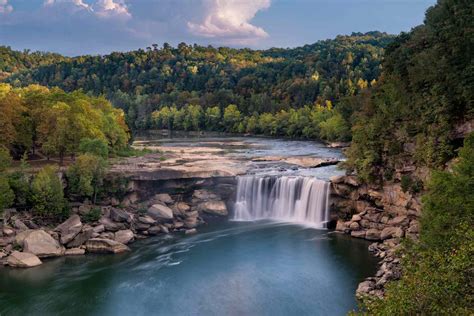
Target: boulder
column 398, row 221
column 141, row 227
column 337, row 179
column 364, row 288
column 98, row 229
column 354, row 226
column 146, row 220
column 8, row 232
column 81, row 238
column 130, row 199
column 23, row 260
column 20, row 225
column 100, row 245
column 164, row 229
column 372, row 234
column 204, row 195
column 164, row 198
column 5, row 241
column 74, row 252
column 340, row 226
column 391, row 232
column 111, row 225
column 124, row 236
column 358, row 233
column 155, row 230
column 178, row 224
column 190, row 231
column 69, row 229
column 118, row 215
column 213, row 207
column 414, row 227
column 356, row 218
column 183, row 207
column 41, row 244
column 159, row 211
column 20, row 237
column 191, row 222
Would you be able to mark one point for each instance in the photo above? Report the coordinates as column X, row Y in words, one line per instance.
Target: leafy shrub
column 47, row 193
column 86, row 175
column 93, row 215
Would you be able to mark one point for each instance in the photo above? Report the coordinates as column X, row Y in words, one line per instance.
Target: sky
column 76, row 27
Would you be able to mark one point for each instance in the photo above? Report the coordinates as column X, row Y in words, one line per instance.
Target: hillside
column 257, row 81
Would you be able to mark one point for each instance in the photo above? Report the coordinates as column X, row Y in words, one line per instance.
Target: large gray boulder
column 82, row 237
column 69, row 229
column 20, row 237
column 111, row 225
column 23, row 260
column 100, row 245
column 213, row 207
column 124, row 236
column 40, row 243
column 159, row 211
column 118, row 215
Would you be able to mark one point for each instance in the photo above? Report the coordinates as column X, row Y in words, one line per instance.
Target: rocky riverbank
column 26, row 240
column 383, row 214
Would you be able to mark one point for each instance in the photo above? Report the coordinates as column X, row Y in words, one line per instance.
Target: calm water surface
column 229, row 268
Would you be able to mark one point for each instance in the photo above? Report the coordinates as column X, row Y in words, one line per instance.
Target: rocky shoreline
column 382, row 214
column 26, row 240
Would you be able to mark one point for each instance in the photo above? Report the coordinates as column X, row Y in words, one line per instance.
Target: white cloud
column 106, row 8
column 5, row 7
column 230, row 19
column 78, row 3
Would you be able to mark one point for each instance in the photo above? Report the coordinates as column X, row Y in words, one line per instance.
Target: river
column 229, row 268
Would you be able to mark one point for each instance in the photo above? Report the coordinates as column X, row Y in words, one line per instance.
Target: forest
column 267, row 87
column 401, row 100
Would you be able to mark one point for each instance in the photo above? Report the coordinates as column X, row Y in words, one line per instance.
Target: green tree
column 86, row 175
column 97, row 147
column 47, row 193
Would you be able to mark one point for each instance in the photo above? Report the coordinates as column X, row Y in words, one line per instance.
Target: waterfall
column 285, row 198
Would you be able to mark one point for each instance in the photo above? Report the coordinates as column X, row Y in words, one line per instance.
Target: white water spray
column 286, row 198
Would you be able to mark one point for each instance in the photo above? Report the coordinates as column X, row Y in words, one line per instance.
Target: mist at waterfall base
column 231, row 268
column 295, row 199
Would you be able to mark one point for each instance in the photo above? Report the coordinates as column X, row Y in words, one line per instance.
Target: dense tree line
column 426, row 90
column 256, row 81
column 412, row 118
column 55, row 122
column 312, row 122
column 12, row 61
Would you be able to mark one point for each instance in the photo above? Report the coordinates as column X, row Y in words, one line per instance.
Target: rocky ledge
column 384, row 215
column 25, row 240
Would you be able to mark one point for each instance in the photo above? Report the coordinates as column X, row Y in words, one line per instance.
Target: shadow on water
column 229, row 268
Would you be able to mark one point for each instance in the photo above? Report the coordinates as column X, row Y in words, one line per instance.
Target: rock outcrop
column 41, row 244
column 102, row 245
column 69, row 229
column 159, row 211
column 384, row 214
column 23, row 260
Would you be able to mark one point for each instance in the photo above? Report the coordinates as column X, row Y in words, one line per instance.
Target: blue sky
column 74, row 27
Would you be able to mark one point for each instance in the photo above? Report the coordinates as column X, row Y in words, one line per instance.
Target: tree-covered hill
column 257, row 81
column 12, row 61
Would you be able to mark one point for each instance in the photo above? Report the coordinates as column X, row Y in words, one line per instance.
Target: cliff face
column 384, row 214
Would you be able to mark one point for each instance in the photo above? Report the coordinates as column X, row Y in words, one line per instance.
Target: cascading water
column 285, row 198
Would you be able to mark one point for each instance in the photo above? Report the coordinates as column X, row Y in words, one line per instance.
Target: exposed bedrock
column 384, row 214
